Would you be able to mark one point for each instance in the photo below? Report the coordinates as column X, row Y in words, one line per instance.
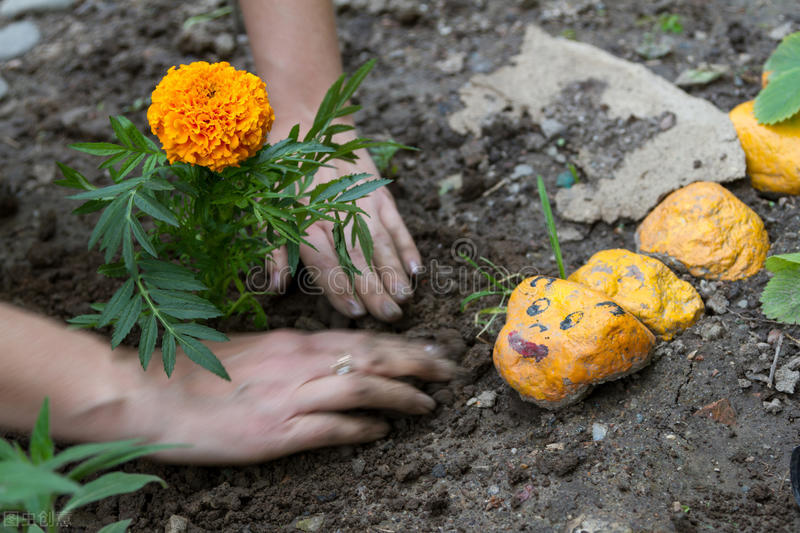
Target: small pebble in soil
column 358, row 466
column 312, row 523
column 521, row 171
column 599, row 431
column 711, row 331
column 773, row 407
column 484, row 400
column 493, row 490
column 565, row 180
column 718, row 303
column 438, row 470
column 176, row 524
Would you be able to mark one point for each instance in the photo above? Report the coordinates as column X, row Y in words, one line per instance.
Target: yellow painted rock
column 562, row 338
column 708, row 230
column 772, row 152
column 644, row 287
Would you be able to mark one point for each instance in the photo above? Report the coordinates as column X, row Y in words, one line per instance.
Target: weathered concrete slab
column 701, row 144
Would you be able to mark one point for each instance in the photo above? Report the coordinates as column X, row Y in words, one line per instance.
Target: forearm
column 296, row 53
column 90, row 387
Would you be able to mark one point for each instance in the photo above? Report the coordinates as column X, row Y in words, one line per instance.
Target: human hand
column 395, row 259
column 284, row 396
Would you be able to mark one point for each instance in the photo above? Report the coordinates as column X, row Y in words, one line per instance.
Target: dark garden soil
column 511, row 467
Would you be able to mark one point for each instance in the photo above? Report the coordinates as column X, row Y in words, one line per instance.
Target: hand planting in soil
column 284, row 395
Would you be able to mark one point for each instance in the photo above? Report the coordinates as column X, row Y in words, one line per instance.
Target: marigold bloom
column 210, row 115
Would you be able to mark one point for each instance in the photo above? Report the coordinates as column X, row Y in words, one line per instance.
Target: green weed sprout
column 670, row 23
column 501, row 284
column 30, row 481
column 551, row 225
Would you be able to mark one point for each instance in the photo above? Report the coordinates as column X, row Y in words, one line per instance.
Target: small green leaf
column 168, row 352
column 786, row 56
column 199, row 331
column 776, row 263
column 113, row 270
column 6, row 451
column 147, row 341
column 20, row 482
column 90, row 207
column 183, row 305
column 41, row 447
column 780, row 100
column 108, row 193
column 142, row 237
column 99, row 149
column 200, row 354
column 111, row 217
column 73, row 178
column 149, row 204
column 83, row 451
column 361, row 230
column 117, row 303
column 323, row 191
column 108, row 485
column 781, row 297
column 116, row 527
column 361, row 190
column 128, row 317
column 127, row 250
column 123, row 452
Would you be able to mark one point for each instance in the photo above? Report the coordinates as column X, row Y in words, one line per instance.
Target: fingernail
column 414, row 267
column 356, row 308
column 425, row 402
column 403, row 292
column 391, row 311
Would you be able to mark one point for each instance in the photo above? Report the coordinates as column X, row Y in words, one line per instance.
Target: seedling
column 501, row 283
column 382, row 156
column 30, row 482
column 551, row 226
column 780, row 99
column 670, row 23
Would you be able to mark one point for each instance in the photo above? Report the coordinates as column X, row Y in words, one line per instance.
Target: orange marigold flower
column 210, row 115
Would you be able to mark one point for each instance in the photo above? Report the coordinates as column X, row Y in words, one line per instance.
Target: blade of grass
column 551, row 226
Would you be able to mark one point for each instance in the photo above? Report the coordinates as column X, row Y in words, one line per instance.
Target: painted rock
column 772, row 152
column 562, row 338
column 705, row 228
column 644, row 287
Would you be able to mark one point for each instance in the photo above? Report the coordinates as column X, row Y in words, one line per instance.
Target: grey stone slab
column 17, row 38
column 701, row 144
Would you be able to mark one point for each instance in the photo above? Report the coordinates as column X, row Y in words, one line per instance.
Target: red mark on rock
column 526, row 349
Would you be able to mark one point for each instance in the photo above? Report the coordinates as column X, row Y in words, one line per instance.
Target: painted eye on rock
column 571, row 320
column 615, row 309
column 538, row 306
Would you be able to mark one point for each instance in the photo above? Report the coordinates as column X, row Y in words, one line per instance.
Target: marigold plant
column 185, row 225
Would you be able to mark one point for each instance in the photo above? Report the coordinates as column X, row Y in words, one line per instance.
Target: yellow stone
column 707, row 229
column 644, row 287
column 561, row 339
column 772, row 152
